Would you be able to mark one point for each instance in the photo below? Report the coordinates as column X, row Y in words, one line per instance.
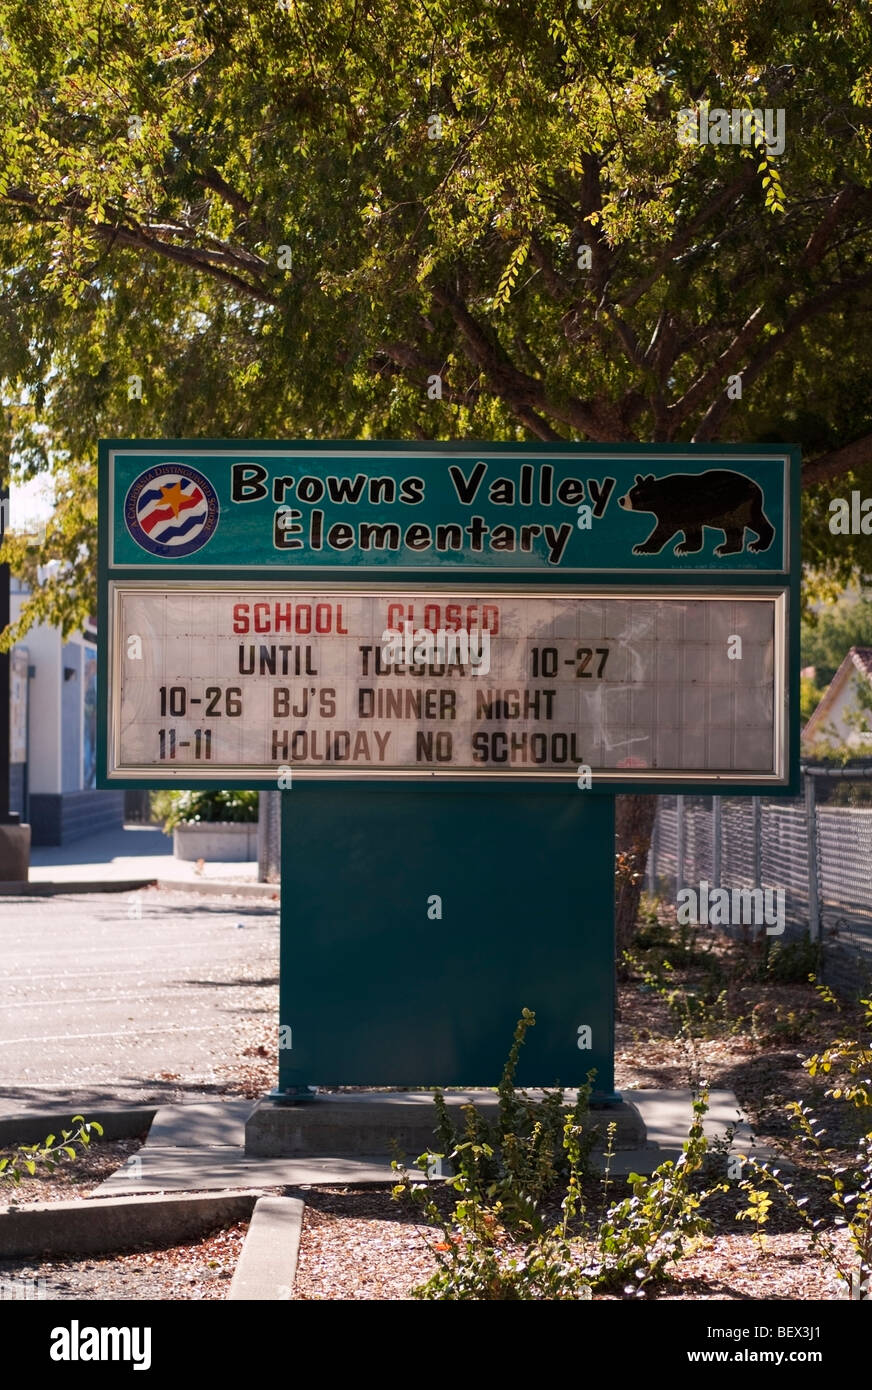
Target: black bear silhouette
column 726, row 501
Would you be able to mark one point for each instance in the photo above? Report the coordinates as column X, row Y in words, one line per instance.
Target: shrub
column 494, row 1246
column 660, row 940
column 178, row 808
column 524, row 1147
column 791, row 962
column 26, row 1158
column 640, row 1235
column 849, row 1062
column 495, row 1243
column 779, row 1024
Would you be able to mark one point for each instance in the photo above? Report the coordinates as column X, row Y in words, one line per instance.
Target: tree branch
column 559, row 288
column 133, row 235
column 127, row 236
column 516, row 388
column 211, row 179
column 404, row 355
column 704, row 385
column 816, row 245
column 537, row 426
column 812, row 255
column 848, row 458
column 821, row 304
column 591, row 203
column 684, row 239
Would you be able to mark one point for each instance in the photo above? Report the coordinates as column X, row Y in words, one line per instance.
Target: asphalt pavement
column 129, row 997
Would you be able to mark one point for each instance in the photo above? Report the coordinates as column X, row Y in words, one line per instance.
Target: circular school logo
column 171, row 510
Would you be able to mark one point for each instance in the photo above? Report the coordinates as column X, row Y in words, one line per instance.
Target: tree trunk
column 634, row 823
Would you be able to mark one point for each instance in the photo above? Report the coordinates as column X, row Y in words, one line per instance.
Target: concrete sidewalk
column 201, row 1147
column 198, row 1145
column 133, row 857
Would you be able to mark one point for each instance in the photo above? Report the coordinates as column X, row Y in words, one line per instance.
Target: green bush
column 791, row 962
column 639, row 1236
column 848, row 1063
column 679, row 943
column 779, row 1024
column 495, row 1245
column 496, row 1242
column 178, row 808
column 700, row 1011
column 525, row 1144
column 26, row 1158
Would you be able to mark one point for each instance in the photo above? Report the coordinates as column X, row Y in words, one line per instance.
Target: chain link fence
column 817, row 848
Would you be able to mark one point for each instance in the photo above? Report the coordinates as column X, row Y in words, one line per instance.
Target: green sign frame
column 522, row 481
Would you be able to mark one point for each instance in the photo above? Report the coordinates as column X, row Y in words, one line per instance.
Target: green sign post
column 449, row 657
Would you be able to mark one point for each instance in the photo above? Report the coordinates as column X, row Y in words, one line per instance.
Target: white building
column 841, row 706
column 54, row 735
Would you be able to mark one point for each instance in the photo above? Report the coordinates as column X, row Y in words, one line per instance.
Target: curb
column 32, row 1128
column 216, row 887
column 98, row 1225
column 51, row 887
column 268, row 1261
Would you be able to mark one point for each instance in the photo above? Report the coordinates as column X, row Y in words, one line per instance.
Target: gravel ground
column 360, row 1245
column 73, row 1177
column 365, row 1246
column 731, row 1267
column 202, row 1270
column 199, row 1270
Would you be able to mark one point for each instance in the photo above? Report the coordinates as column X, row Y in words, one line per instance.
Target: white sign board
column 226, row 681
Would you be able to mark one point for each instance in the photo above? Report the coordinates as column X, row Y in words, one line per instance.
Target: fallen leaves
column 200, row 1270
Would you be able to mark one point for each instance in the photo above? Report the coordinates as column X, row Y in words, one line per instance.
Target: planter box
column 223, row 841
column 14, row 853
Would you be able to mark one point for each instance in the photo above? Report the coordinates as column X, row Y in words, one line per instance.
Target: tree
column 289, row 219
column 809, row 698
column 828, row 636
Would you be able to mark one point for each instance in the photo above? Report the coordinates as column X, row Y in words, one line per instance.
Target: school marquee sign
column 365, row 610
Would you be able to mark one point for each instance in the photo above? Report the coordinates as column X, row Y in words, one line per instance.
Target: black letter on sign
column 247, row 482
